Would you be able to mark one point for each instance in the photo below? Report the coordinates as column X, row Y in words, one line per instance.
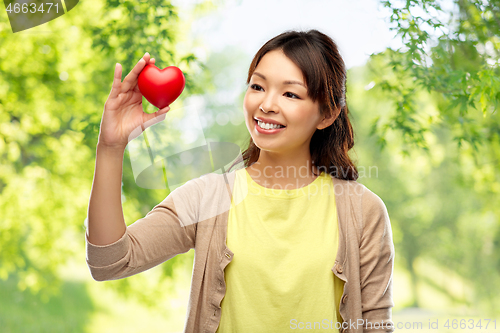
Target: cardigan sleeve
column 376, row 265
column 167, row 230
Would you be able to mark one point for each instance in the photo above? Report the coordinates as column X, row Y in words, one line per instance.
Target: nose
column 270, row 103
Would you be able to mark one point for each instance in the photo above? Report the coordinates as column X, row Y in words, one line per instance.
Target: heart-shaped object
column 161, row 86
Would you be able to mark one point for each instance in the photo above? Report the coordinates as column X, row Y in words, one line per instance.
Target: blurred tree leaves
column 452, row 53
column 439, row 96
column 54, row 81
column 440, row 202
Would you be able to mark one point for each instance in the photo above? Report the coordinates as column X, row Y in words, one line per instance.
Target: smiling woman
column 278, row 96
column 295, row 241
column 286, row 243
column 300, row 77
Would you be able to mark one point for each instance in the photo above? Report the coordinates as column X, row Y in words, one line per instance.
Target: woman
column 297, row 243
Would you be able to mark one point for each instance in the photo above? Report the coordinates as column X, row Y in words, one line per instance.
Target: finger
column 131, row 79
column 117, row 80
column 164, row 110
column 152, row 61
column 161, row 117
column 155, row 118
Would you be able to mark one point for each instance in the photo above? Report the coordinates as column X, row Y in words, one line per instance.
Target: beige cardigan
column 195, row 216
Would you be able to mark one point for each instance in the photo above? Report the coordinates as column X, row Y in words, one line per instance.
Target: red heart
column 161, row 86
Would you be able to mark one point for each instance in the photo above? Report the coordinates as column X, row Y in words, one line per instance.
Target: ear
column 329, row 119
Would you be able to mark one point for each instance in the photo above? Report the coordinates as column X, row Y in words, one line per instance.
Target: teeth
column 267, row 126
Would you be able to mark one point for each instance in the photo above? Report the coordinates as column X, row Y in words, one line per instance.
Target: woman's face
column 277, row 86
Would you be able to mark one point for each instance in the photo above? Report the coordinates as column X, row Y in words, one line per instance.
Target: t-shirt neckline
column 311, row 188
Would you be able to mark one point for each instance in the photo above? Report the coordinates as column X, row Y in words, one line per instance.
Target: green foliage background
column 54, row 81
column 444, row 87
column 425, row 115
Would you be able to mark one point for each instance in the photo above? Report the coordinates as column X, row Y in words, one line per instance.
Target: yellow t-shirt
column 285, row 244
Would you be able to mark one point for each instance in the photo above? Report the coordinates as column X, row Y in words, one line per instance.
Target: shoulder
column 204, row 197
column 201, row 190
column 216, row 186
column 358, row 193
column 209, row 183
column 367, row 206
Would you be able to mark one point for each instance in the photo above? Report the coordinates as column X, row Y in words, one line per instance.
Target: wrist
column 110, row 149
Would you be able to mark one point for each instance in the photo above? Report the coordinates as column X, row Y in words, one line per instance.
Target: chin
column 268, row 147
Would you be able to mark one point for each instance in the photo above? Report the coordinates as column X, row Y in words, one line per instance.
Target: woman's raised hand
column 124, row 118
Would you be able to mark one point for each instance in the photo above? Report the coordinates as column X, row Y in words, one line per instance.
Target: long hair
column 324, row 71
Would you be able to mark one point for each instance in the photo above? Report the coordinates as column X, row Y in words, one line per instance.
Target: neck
column 275, row 170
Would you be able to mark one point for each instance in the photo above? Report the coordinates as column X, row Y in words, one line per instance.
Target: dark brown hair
column 324, row 71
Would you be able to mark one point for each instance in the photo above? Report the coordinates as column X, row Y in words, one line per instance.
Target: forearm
column 106, row 223
column 147, row 242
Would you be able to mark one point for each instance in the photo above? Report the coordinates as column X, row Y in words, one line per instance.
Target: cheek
column 251, row 101
column 246, row 108
column 245, row 103
column 307, row 117
column 248, row 102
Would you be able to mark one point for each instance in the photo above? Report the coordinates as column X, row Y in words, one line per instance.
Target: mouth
column 268, row 127
column 268, row 124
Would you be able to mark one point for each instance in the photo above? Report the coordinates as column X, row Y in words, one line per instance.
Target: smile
column 267, row 128
column 268, row 125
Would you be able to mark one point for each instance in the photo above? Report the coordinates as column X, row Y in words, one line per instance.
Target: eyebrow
column 284, row 82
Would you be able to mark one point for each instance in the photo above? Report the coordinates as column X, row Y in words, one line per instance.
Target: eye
column 291, row 95
column 256, row 87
